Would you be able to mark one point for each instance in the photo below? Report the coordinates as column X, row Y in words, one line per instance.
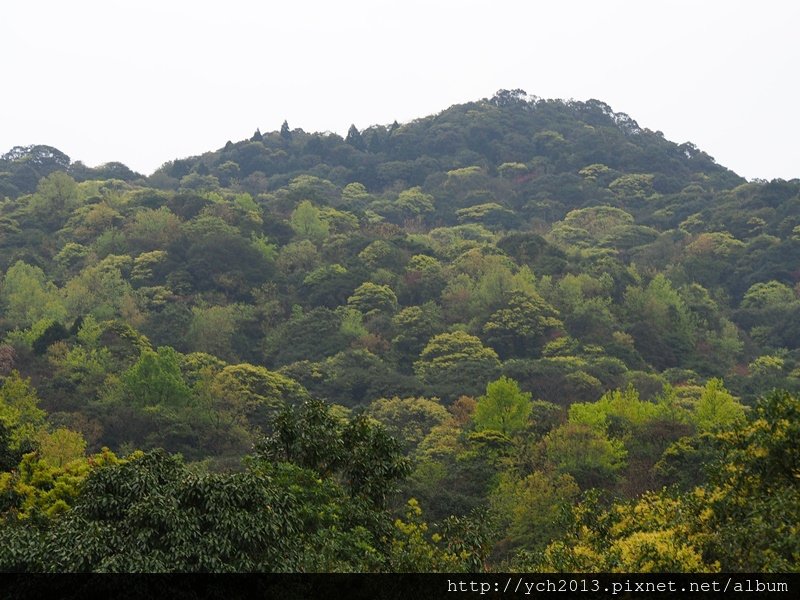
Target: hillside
column 511, row 311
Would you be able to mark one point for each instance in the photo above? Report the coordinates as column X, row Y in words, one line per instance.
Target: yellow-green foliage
column 413, row 549
column 717, row 408
column 19, row 410
column 529, row 508
column 43, row 490
column 656, row 552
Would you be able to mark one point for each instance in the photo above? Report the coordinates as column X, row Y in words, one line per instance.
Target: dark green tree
column 359, row 451
column 354, row 138
column 152, row 514
column 286, row 133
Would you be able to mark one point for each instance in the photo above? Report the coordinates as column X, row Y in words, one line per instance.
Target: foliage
column 504, row 408
column 744, row 519
column 254, row 395
column 456, row 363
column 43, row 488
column 589, row 456
column 27, row 296
column 409, row 420
column 371, row 299
column 156, row 380
column 716, row 408
column 647, row 295
column 365, row 457
column 20, row 414
column 151, row 514
column 307, row 223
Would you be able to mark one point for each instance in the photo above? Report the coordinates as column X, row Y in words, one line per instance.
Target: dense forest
column 518, row 335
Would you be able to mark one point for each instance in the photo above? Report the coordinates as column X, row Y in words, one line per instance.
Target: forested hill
column 554, row 136
column 549, row 137
column 529, row 311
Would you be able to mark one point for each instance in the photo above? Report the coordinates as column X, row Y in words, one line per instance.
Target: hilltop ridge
column 510, row 127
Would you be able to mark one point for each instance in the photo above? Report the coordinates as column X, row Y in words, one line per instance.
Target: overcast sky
column 143, row 81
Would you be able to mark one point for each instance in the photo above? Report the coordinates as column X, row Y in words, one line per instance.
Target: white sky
column 143, row 81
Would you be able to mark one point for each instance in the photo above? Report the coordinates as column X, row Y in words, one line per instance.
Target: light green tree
column 504, row 407
column 250, row 395
column 767, row 295
column 517, row 329
column 308, row 224
column 101, row 290
column 28, row 296
column 414, row 203
column 55, row 198
column 585, row 453
column 60, row 446
column 156, row 379
column 717, row 408
column 19, row 410
column 152, row 229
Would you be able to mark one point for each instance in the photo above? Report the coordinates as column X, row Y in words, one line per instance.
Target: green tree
column 156, row 380
column 380, row 253
column 298, row 257
column 490, row 214
column 462, row 545
column 408, row 419
column 60, row 446
column 755, row 496
column 313, row 335
column 152, row 229
column 355, row 197
column 253, row 395
column 744, row 519
column 28, row 296
column 518, row 328
column 633, row 186
column 531, row 508
column 151, row 514
column 55, row 198
column 504, row 408
column 41, row 489
column 415, row 325
column 307, row 223
column 766, row 295
column 371, row 299
column 354, row 138
column 212, row 329
column 101, row 290
column 456, row 363
column 286, row 133
column 369, row 461
column 414, row 203
column 423, row 280
column 146, row 265
column 717, row 408
column 660, row 323
column 587, row 455
column 329, row 285
column 20, row 414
